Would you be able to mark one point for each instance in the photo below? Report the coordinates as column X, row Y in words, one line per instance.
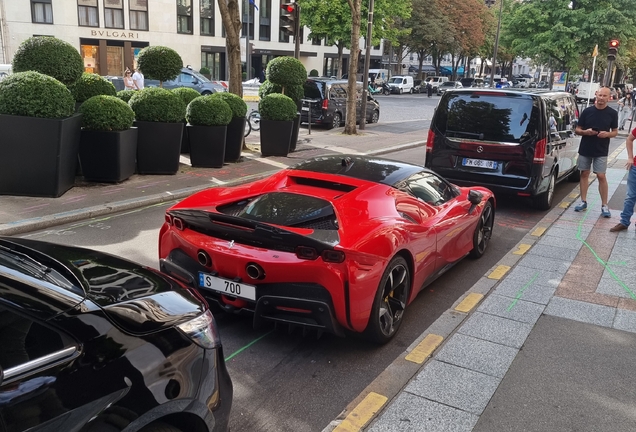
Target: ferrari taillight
column 430, row 141
column 333, row 256
column 306, row 253
column 539, row 152
column 168, row 219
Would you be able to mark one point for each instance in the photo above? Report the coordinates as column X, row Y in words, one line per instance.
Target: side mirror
column 475, row 197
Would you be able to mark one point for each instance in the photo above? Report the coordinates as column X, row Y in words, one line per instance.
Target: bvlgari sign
column 115, row 34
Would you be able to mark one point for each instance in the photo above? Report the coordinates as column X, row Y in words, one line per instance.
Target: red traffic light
column 614, row 43
column 289, row 8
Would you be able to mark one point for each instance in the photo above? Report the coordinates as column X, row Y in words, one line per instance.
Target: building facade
column 110, row 33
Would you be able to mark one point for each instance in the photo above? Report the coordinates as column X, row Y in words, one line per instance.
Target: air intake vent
column 324, row 184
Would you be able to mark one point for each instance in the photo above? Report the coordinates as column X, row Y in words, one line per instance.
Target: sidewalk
column 544, row 342
column 86, row 199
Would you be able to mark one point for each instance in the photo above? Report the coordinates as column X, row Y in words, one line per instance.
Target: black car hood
column 138, row 299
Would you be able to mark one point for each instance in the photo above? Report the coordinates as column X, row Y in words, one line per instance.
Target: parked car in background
column 501, row 139
column 5, row 70
column 93, row 342
column 472, row 82
column 436, row 81
column 448, row 85
column 417, row 86
column 401, row 84
column 192, row 79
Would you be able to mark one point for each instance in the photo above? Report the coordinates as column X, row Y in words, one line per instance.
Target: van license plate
column 479, row 163
column 305, row 108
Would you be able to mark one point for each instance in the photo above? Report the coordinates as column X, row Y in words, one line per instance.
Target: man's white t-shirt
column 138, row 78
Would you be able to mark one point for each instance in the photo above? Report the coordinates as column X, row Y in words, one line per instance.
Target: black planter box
column 108, row 156
column 158, row 147
column 275, row 137
column 38, row 157
column 234, row 139
column 185, row 140
column 294, row 135
column 207, row 146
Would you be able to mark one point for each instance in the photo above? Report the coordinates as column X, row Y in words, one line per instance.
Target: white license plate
column 305, row 108
column 227, row 287
column 479, row 163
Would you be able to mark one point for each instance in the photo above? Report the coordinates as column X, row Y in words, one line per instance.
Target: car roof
column 373, row 169
column 519, row 91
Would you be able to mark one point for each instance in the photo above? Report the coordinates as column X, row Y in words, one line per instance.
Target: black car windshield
column 488, row 116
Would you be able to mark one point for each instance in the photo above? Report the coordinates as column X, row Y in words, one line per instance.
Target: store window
column 114, row 14
column 184, row 16
column 212, row 61
column 139, row 15
column 87, row 13
column 115, row 56
column 265, row 20
column 207, row 17
column 41, row 11
column 90, row 55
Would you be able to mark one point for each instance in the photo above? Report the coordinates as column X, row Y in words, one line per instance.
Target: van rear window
column 488, row 116
column 314, row 90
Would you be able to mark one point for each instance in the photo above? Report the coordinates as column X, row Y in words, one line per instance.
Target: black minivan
column 501, row 139
column 329, row 103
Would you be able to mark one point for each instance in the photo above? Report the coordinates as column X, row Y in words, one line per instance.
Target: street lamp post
column 494, row 56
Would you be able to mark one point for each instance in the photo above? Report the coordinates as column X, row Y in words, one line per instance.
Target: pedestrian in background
column 597, row 124
column 129, row 84
column 138, row 79
column 429, row 89
column 625, row 108
column 630, row 197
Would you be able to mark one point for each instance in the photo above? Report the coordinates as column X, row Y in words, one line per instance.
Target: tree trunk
column 420, row 57
column 232, row 22
column 350, row 124
column 340, row 46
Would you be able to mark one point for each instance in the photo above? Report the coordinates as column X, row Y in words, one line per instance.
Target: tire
column 544, row 200
column 160, row 427
column 401, row 91
column 255, row 120
column 206, row 93
column 386, row 92
column 335, row 122
column 483, row 231
column 248, row 128
column 411, row 91
column 575, row 176
column 375, row 116
column 390, row 302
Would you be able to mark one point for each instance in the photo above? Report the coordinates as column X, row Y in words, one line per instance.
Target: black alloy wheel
column 544, row 200
column 483, row 231
column 335, row 122
column 375, row 116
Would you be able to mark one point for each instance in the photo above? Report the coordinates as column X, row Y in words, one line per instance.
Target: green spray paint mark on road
column 240, row 350
column 520, row 292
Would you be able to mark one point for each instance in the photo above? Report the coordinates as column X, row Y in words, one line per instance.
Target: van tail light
column 539, row 151
column 325, row 104
column 430, row 141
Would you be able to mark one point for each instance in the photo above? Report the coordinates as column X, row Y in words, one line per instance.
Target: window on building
column 114, row 14
column 41, row 11
column 88, row 13
column 252, row 11
column 265, row 20
column 213, row 62
column 139, row 14
column 184, row 16
column 316, row 41
column 207, row 17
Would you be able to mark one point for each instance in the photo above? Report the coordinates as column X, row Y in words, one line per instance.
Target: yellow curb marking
column 522, row 248
column 469, row 302
column 251, row 98
column 361, row 414
column 573, row 195
column 499, row 272
column 424, row 349
column 538, row 232
column 565, row 204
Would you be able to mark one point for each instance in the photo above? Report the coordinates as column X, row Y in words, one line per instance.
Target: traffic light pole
column 608, row 73
column 297, row 33
column 367, row 63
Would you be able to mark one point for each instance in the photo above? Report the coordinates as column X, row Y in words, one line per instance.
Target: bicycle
column 253, row 122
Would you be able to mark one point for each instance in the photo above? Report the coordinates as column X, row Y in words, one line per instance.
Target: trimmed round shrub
column 205, row 70
column 296, row 92
column 32, row 94
column 208, row 111
column 106, row 113
column 125, row 95
column 90, row 85
column 160, row 63
column 236, row 103
column 313, row 73
column 277, row 107
column 286, row 71
column 50, row 56
column 156, row 104
column 186, row 94
column 244, row 75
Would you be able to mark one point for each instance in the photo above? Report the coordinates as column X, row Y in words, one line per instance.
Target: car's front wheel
column 390, row 300
column 483, row 231
column 375, row 116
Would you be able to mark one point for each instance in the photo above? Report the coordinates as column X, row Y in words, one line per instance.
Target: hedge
column 277, row 107
column 33, row 94
column 50, row 56
column 286, row 71
column 125, row 95
column 157, row 105
column 236, row 103
column 313, row 73
column 160, row 63
column 106, row 113
column 296, row 92
column 208, row 111
column 90, row 85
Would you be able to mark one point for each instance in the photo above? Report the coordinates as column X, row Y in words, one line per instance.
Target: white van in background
column 401, row 84
column 378, row 76
column 5, row 70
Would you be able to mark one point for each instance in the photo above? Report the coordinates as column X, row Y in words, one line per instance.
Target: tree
column 232, row 23
column 429, row 26
column 350, row 123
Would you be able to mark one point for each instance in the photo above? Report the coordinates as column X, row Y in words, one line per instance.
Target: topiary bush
column 50, row 56
column 160, row 63
column 186, row 94
column 286, row 71
column 106, row 113
column 296, row 92
column 90, row 85
column 205, row 70
column 32, row 94
column 236, row 103
column 277, row 107
column 313, row 73
column 156, row 104
column 125, row 95
column 208, row 111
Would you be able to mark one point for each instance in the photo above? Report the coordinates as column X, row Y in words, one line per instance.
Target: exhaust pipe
column 254, row 271
column 204, row 259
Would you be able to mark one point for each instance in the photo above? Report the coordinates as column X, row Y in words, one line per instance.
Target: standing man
column 630, row 198
column 597, row 124
column 138, row 79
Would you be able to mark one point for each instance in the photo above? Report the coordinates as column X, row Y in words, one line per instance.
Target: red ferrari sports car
column 334, row 243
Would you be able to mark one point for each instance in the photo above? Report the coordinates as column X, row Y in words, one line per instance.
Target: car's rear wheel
column 411, row 91
column 206, row 93
column 160, row 427
column 544, row 200
column 390, row 302
column 375, row 116
column 483, row 231
column 335, row 122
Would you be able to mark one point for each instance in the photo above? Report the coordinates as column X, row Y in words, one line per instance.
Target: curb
column 26, row 225
column 249, row 98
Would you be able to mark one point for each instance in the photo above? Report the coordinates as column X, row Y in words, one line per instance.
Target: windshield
column 489, row 116
column 200, row 77
column 396, row 80
column 449, row 84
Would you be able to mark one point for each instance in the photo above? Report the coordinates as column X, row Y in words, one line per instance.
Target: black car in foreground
column 93, row 343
